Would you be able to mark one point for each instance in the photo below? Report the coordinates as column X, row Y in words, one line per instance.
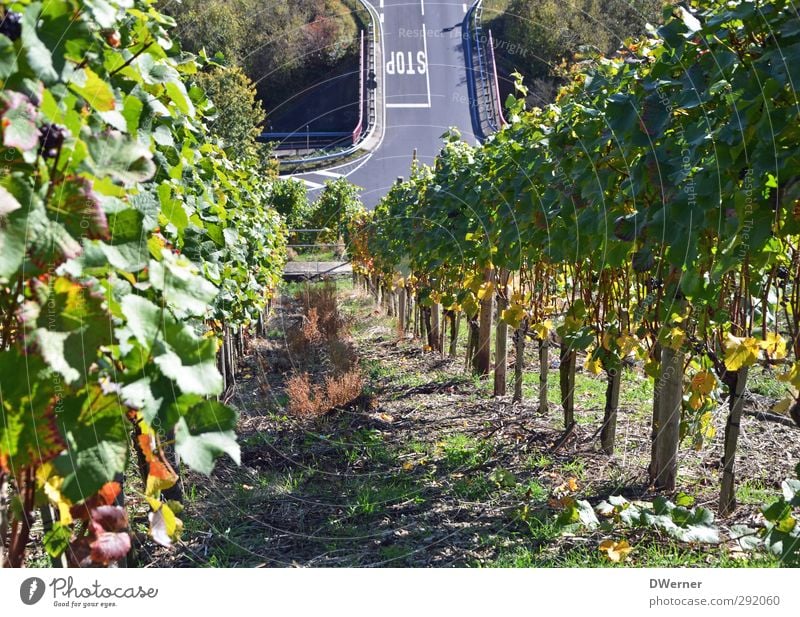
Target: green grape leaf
column 120, row 157
column 89, row 86
column 38, row 57
column 204, row 431
column 95, row 428
column 8, row 58
column 186, row 291
column 28, row 432
column 18, row 121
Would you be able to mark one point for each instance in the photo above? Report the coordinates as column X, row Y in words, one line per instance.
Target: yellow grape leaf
column 51, row 485
column 513, row 315
column 704, row 383
column 675, row 338
column 408, row 466
column 740, row 352
column 627, row 344
column 605, row 342
column 792, row 376
column 774, row 345
column 615, row 551
column 782, row 407
column 155, row 485
column 572, row 483
column 485, row 290
column 473, row 283
column 542, row 330
column 705, row 432
column 593, row 366
column 696, row 400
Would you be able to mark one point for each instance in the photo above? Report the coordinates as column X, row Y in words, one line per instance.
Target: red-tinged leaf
column 109, row 492
column 106, row 496
column 146, row 446
column 29, row 435
column 77, row 207
column 110, row 518
column 160, row 469
column 19, row 121
column 110, row 547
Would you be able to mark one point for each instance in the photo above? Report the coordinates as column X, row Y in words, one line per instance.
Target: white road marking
column 381, row 16
column 409, row 105
column 381, row 3
column 312, row 185
column 427, row 62
column 422, row 6
column 464, row 6
column 328, row 174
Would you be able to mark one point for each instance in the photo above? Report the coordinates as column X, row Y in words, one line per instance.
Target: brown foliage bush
column 312, row 400
column 322, row 299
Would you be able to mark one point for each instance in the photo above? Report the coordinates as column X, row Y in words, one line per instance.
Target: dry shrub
column 304, row 399
column 301, row 340
column 291, row 254
column 312, row 400
column 345, row 389
column 311, row 325
column 323, row 299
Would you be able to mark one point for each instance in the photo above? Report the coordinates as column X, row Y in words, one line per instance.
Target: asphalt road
column 426, row 90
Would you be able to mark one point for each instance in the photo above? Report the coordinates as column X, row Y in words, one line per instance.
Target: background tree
column 239, row 114
column 540, row 38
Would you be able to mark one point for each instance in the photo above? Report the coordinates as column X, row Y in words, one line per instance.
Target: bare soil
column 428, row 469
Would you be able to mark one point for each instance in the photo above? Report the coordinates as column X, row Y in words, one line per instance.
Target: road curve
column 426, row 92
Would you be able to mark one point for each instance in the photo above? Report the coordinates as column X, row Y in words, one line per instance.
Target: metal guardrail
column 356, row 135
column 488, row 92
column 496, row 83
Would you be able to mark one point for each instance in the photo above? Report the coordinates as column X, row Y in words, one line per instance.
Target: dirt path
column 429, row 470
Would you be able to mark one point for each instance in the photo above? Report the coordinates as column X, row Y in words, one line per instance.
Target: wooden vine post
column 401, row 312
column 483, row 353
column 455, row 321
column 727, row 496
column 520, row 335
column 567, row 382
column 608, row 432
column 501, row 336
column 436, row 324
column 544, row 365
column 666, row 420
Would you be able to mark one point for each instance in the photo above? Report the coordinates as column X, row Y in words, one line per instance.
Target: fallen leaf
column 615, row 551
